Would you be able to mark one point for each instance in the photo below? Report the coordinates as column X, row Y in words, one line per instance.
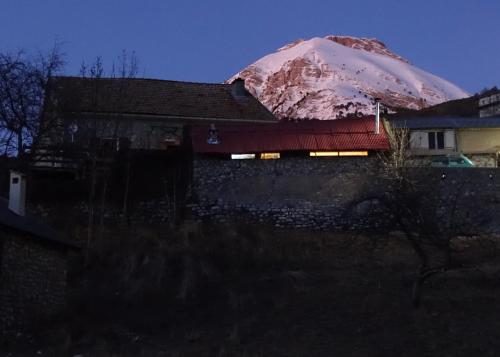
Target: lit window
column 338, row 153
column 242, row 156
column 324, row 153
column 353, row 153
column 270, row 155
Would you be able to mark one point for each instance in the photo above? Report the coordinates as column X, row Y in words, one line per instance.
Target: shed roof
column 446, row 123
column 163, row 98
column 30, row 225
column 313, row 135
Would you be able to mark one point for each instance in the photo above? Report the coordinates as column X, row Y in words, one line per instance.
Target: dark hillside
column 467, row 107
column 237, row 290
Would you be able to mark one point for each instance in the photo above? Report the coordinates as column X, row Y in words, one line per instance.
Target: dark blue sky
column 209, row 40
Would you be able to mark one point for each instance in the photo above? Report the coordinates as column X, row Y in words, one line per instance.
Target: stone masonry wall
column 331, row 193
column 32, row 281
column 302, row 192
column 473, row 192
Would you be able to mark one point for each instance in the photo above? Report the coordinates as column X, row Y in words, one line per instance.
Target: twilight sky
column 210, row 40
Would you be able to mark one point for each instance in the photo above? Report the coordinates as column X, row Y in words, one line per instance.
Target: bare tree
column 24, row 84
column 428, row 212
column 103, row 133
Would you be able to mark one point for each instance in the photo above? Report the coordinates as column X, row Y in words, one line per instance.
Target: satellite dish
column 213, row 135
column 72, row 128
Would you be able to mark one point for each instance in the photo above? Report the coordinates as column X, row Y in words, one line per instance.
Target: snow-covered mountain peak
column 366, row 44
column 331, row 77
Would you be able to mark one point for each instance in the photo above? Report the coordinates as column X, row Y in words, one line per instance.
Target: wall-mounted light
column 72, row 129
column 324, row 153
column 242, row 156
column 338, row 153
column 269, row 155
column 213, row 135
column 353, row 153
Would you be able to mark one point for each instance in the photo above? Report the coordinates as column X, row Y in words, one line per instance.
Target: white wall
column 449, row 139
column 419, row 139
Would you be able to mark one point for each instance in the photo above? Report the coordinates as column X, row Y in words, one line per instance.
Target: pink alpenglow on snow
column 335, row 76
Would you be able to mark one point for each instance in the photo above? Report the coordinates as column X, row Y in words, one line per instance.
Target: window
column 436, row 140
column 432, row 140
column 456, row 161
column 353, row 153
column 324, row 153
column 269, row 155
column 242, row 156
column 439, row 161
column 1, row 255
column 109, row 145
column 440, row 140
column 338, row 153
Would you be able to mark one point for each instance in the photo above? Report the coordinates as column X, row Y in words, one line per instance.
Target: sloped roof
column 446, row 123
column 159, row 97
column 313, row 135
column 465, row 107
column 30, row 225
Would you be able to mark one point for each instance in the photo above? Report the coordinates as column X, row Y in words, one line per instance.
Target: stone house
column 477, row 138
column 130, row 136
column 33, row 264
column 302, row 175
column 116, row 114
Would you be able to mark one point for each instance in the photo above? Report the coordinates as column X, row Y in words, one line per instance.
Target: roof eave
column 178, row 117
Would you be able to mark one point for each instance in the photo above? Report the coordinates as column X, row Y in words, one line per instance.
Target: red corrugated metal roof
column 313, row 135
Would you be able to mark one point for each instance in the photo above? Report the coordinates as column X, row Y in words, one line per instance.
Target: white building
column 477, row 138
column 489, row 106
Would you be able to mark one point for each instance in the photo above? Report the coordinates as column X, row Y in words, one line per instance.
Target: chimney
column 238, row 89
column 377, row 116
column 17, row 193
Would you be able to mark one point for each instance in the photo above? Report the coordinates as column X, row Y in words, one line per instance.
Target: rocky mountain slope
column 335, row 76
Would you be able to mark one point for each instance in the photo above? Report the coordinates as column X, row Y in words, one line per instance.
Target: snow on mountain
column 327, row 78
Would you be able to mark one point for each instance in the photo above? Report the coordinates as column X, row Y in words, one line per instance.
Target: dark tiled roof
column 313, row 135
column 446, row 123
column 159, row 97
column 465, row 107
column 30, row 225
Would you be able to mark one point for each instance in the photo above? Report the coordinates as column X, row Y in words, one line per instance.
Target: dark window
column 457, row 161
column 123, row 144
column 436, row 140
column 439, row 161
column 1, row 256
column 432, row 140
column 440, row 140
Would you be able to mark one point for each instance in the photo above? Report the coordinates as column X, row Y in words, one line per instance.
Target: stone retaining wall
column 330, row 193
column 301, row 192
column 32, row 280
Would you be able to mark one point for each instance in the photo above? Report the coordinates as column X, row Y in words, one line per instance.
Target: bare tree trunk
column 90, row 222
column 126, row 193
column 103, row 205
column 20, row 145
column 174, row 193
column 417, row 289
column 423, row 274
column 426, row 270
